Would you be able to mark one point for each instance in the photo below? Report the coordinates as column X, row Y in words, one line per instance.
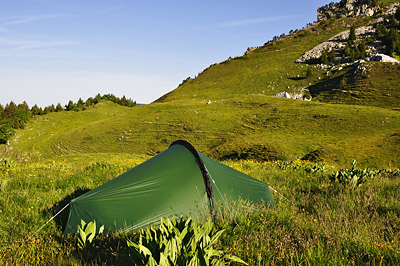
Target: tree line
column 14, row 116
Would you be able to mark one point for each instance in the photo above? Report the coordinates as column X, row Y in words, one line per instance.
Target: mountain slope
column 266, row 70
column 248, row 127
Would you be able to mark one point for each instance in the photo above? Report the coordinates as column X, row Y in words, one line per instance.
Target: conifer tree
column 59, row 108
column 52, row 108
column 324, row 57
column 70, row 105
column 10, row 109
column 1, row 112
column 36, row 110
column 352, row 35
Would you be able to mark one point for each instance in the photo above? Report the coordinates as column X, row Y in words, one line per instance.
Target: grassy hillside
column 372, row 83
column 247, row 127
column 39, row 138
column 266, row 70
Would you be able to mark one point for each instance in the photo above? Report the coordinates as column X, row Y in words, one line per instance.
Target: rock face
column 348, row 8
column 383, row 58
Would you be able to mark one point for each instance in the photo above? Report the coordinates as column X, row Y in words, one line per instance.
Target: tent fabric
column 170, row 184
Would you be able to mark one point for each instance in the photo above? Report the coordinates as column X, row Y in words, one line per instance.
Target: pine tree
column 9, row 110
column 1, row 112
column 6, row 131
column 380, row 30
column 324, row 57
column 59, row 108
column 352, row 35
column 36, row 110
column 89, row 102
column 397, row 14
column 52, row 108
column 70, row 105
column 392, row 42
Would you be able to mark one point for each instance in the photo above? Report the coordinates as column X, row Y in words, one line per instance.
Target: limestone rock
column 303, row 94
column 347, row 8
column 383, row 58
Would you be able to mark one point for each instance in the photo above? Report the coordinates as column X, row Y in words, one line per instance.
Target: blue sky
column 54, row 51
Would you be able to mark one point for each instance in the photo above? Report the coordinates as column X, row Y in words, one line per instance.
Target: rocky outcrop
column 348, row 8
column 303, row 94
column 383, row 58
column 337, row 42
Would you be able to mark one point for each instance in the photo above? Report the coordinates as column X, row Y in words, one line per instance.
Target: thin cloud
column 244, row 22
column 37, row 47
column 29, row 19
column 43, row 45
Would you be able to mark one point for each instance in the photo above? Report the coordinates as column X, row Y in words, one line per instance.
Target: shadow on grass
column 297, row 78
column 61, row 218
column 325, row 86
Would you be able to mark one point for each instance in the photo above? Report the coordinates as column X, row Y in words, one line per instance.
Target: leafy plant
column 7, row 162
column 87, row 233
column 101, row 165
column 353, row 176
column 179, row 243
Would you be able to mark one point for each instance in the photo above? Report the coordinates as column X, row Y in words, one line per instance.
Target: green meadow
column 328, row 211
column 316, row 221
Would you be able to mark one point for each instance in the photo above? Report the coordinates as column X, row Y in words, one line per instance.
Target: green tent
column 177, row 182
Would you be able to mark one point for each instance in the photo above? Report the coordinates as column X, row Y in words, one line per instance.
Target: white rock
column 383, row 58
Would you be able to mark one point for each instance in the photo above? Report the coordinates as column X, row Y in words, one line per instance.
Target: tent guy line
column 37, row 231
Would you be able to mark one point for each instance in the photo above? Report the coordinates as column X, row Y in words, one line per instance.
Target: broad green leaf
column 235, row 259
column 145, row 251
column 216, row 236
column 83, row 223
column 164, row 260
column 91, row 231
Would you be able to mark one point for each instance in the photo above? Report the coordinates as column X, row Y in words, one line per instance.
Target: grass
column 248, row 127
column 316, row 221
column 377, row 85
column 267, row 70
